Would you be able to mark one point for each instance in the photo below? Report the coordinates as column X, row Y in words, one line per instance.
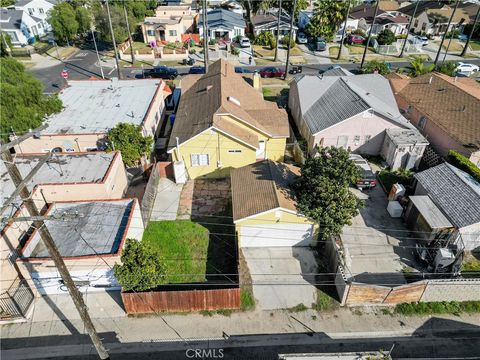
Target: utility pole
column 278, row 30
column 47, row 239
column 408, row 28
column 471, row 33
column 205, row 35
column 450, row 40
column 290, row 37
column 129, row 34
column 98, row 56
column 113, row 40
column 369, row 34
column 344, row 31
column 445, row 33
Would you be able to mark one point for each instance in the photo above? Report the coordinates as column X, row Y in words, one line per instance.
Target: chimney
column 256, row 81
column 233, row 100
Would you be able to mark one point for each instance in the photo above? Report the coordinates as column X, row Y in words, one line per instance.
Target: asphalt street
column 84, row 64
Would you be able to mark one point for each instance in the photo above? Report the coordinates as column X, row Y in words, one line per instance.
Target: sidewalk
column 108, row 316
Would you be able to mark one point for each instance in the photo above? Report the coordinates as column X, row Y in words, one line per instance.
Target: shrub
column 141, row 269
column 447, row 68
column 286, row 40
column 463, row 163
column 247, row 301
column 371, row 66
column 192, row 51
column 438, row 307
column 264, row 38
column 359, row 32
column 212, row 42
column 235, row 51
column 386, row 37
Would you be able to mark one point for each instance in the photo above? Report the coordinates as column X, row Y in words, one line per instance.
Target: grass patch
column 273, row 91
column 263, row 51
column 247, row 302
column 297, row 308
column 474, row 45
column 471, row 265
column 63, row 52
column 455, row 45
column 386, row 311
column 333, row 51
column 324, row 302
column 225, row 312
column 438, row 307
column 182, row 245
column 357, row 49
column 296, row 51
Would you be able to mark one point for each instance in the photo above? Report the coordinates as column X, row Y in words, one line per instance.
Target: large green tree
column 373, row 66
column 323, row 193
column 22, row 102
column 301, row 5
column 119, row 22
column 327, row 16
column 84, row 19
column 128, row 138
column 386, row 37
column 64, row 22
column 141, row 267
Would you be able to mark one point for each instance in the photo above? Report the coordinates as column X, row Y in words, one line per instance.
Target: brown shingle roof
column 262, row 186
column 211, row 94
column 452, row 105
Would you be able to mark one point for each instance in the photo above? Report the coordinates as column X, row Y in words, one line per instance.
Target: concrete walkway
column 167, row 200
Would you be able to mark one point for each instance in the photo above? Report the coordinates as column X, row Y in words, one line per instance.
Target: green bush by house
column 463, row 163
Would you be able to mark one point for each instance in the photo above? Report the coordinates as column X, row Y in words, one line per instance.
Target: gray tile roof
column 327, row 100
column 11, row 19
column 337, row 71
column 454, row 191
column 223, row 18
column 338, row 103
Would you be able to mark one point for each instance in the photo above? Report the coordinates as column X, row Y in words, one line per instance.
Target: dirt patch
column 204, row 197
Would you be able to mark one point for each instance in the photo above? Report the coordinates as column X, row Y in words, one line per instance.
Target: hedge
column 463, row 163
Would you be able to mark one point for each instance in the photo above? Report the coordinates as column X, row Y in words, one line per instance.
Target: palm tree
column 419, row 67
column 327, row 16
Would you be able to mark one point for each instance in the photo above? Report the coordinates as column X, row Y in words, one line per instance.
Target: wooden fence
column 180, row 301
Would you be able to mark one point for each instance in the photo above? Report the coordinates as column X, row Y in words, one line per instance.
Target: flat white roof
column 96, row 106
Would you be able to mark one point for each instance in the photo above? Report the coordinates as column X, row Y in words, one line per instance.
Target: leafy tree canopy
column 5, row 44
column 447, row 68
column 323, row 193
column 327, row 16
column 128, row 139
column 119, row 22
column 5, row 3
column 376, row 66
column 287, row 41
column 23, row 104
column 62, row 17
column 386, row 37
column 141, row 267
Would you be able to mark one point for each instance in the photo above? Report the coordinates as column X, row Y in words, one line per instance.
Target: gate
column 15, row 302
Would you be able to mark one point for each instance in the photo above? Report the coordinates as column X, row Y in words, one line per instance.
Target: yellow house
column 264, row 207
column 222, row 123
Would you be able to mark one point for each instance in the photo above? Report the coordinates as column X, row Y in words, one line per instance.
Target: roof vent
column 209, row 87
column 430, row 80
column 233, row 100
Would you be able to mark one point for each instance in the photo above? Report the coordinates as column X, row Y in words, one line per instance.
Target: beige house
column 66, row 177
column 168, row 24
column 93, row 107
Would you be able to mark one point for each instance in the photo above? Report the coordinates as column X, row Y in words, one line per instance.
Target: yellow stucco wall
column 270, row 218
column 217, row 146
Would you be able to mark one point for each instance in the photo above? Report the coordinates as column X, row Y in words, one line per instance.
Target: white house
column 20, row 26
column 222, row 24
column 37, row 9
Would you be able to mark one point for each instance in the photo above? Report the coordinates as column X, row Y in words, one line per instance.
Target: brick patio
column 204, row 197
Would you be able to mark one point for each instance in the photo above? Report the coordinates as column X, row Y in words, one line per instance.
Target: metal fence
column 395, row 48
column 15, row 302
column 148, row 199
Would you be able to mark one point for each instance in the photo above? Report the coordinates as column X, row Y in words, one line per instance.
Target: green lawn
column 438, row 307
column 471, row 264
column 182, row 246
column 262, row 51
column 475, row 45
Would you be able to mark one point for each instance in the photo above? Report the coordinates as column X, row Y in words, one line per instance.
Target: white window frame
column 151, row 32
column 172, row 32
column 356, row 139
column 234, row 151
column 367, row 138
column 199, row 159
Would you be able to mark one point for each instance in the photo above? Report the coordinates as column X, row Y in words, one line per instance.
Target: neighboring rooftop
column 10, row 19
column 262, row 186
column 221, row 17
column 268, row 20
column 453, row 105
column 207, row 98
column 100, row 230
column 406, row 137
column 61, row 168
column 454, row 191
column 96, row 106
column 437, row 11
column 364, row 11
column 337, row 70
column 328, row 100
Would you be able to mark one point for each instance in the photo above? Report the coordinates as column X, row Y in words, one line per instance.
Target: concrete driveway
column 277, row 277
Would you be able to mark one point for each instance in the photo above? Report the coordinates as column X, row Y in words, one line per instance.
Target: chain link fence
column 15, row 302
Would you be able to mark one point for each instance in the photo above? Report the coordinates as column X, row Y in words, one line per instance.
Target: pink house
column 352, row 112
column 446, row 110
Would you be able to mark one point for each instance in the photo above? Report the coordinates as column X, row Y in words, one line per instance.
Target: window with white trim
column 41, row 11
column 151, row 32
column 234, row 151
column 367, row 138
column 356, row 139
column 172, row 32
column 199, row 159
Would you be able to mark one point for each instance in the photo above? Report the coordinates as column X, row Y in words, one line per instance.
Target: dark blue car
column 197, row 70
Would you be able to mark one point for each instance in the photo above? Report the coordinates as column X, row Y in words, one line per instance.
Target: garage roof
column 261, row 187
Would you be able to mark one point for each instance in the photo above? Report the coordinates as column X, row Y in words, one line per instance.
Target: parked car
column 188, row 61
column 244, row 42
column 422, row 40
column 466, row 68
column 320, row 44
column 271, row 72
column 462, row 37
column 296, row 69
column 355, row 39
column 301, row 38
column 161, row 72
column 197, row 70
column 242, row 70
column 367, row 178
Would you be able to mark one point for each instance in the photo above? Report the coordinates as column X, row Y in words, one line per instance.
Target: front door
column 260, row 153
